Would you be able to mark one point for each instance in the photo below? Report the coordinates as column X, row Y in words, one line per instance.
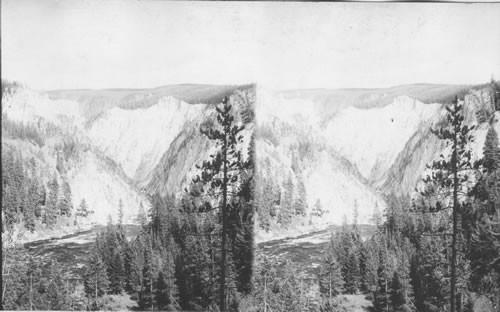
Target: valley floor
column 304, row 250
column 72, row 250
column 305, row 253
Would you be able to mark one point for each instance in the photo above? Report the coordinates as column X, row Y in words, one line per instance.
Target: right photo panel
column 377, row 172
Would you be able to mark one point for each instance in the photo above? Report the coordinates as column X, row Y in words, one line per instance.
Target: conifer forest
column 249, row 156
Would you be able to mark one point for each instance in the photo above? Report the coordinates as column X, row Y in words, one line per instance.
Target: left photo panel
column 119, row 199
column 127, row 157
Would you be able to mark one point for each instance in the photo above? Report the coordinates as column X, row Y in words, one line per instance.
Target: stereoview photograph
column 250, row 156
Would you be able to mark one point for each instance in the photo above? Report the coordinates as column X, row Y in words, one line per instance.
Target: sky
column 282, row 45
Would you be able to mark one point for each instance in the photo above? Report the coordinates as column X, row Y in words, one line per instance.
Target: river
column 72, row 251
column 305, row 251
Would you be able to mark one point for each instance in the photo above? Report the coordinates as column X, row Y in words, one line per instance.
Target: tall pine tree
column 447, row 186
column 301, row 200
column 96, row 280
column 51, row 211
column 331, row 282
column 220, row 180
column 491, row 151
column 65, row 204
column 286, row 207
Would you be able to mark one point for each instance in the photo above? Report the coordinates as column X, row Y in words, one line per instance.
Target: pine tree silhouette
column 448, row 182
column 221, row 177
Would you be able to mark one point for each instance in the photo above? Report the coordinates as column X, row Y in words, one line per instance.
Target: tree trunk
column 223, row 247
column 330, row 285
column 4, row 280
column 265, row 290
column 455, row 224
column 31, row 291
column 67, row 289
column 300, row 299
column 96, row 288
column 169, row 283
column 212, row 260
column 385, row 272
column 151, row 270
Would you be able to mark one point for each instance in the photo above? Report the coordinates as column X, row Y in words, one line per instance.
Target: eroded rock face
column 137, row 139
column 350, row 149
column 118, row 145
column 68, row 155
column 342, row 161
column 373, row 138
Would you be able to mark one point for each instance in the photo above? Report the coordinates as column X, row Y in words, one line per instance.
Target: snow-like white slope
column 88, row 174
column 90, row 179
column 293, row 130
column 339, row 192
column 344, row 155
column 102, row 190
column 372, row 138
column 138, row 138
column 356, row 148
column 327, row 178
